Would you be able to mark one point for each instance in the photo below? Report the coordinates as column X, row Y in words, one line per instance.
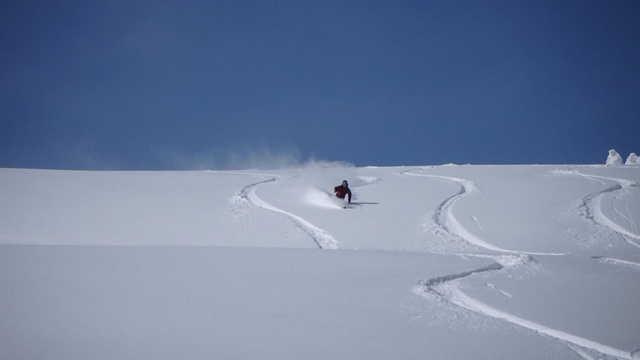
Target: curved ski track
column 447, row 287
column 322, row 238
column 459, row 298
column 449, row 224
column 592, row 205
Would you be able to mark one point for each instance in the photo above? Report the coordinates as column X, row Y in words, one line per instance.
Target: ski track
column 618, row 262
column 461, row 299
column 322, row 238
column 446, row 288
column 592, row 206
column 431, row 284
column 445, row 219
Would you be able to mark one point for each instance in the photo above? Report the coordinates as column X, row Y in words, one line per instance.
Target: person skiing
column 343, row 191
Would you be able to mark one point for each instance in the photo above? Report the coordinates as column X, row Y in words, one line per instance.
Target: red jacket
column 342, row 191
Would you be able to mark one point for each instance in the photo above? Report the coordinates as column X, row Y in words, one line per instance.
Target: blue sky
column 226, row 84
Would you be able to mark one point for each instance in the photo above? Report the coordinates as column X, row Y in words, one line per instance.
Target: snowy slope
column 447, row 262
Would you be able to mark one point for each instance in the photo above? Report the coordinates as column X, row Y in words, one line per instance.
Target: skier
column 343, row 190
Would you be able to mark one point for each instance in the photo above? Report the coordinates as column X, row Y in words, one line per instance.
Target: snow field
column 531, row 262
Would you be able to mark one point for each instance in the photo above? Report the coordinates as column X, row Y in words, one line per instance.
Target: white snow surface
column 437, row 262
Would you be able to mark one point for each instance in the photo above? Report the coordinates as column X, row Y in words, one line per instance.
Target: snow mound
column 614, row 158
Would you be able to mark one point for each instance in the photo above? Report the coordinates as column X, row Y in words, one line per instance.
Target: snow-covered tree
column 614, row 158
column 632, row 159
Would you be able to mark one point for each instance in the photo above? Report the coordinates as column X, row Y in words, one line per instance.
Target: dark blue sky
column 218, row 84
